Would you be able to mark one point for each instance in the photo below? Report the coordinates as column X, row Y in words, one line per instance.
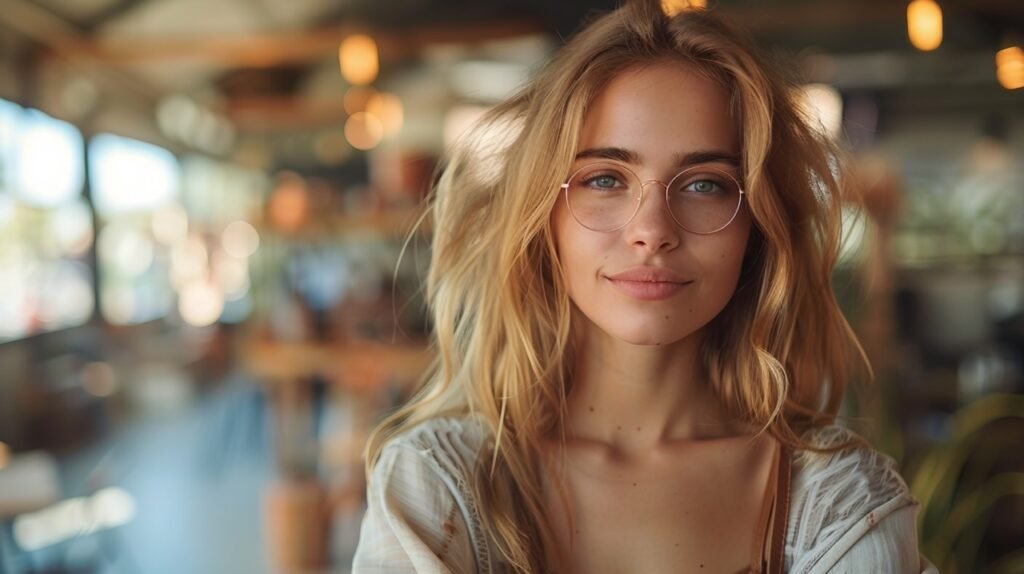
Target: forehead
column 661, row 110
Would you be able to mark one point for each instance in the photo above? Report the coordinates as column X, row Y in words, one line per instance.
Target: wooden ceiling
column 252, row 53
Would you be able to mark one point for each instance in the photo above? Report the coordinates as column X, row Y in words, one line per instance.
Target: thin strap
column 780, row 515
column 764, row 517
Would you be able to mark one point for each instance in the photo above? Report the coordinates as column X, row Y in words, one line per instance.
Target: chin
column 638, row 327
column 647, row 334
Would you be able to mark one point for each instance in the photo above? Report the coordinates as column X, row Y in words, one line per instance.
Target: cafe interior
column 212, row 257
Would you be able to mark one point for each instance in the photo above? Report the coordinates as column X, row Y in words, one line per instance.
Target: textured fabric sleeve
column 888, row 547
column 839, row 500
column 412, row 522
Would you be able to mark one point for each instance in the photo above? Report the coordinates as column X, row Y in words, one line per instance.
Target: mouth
column 649, row 290
column 649, row 274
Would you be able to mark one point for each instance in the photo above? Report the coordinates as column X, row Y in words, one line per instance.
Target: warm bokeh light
column 5, row 455
column 357, row 98
column 289, row 202
column 189, row 261
column 231, row 274
column 201, row 303
column 240, row 239
column 1010, row 67
column 673, row 7
column 924, row 24
column 825, row 107
column 170, row 225
column 363, row 131
column 358, row 57
column 387, row 108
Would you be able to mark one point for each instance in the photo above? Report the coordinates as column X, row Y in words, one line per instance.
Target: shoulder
column 450, row 445
column 837, row 498
column 420, row 494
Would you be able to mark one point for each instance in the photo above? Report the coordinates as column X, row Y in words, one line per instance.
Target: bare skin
column 659, row 477
column 682, row 506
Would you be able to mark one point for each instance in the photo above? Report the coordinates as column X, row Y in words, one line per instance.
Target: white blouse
column 850, row 511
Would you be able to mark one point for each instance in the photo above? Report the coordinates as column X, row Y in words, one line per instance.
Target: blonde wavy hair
column 779, row 354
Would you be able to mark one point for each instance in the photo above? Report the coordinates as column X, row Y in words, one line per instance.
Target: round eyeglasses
column 605, row 196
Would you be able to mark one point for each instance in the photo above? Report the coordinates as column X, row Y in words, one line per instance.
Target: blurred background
column 203, row 309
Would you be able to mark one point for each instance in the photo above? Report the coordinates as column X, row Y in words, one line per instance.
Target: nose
column 652, row 227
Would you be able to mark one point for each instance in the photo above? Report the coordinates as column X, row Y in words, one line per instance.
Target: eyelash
column 591, row 181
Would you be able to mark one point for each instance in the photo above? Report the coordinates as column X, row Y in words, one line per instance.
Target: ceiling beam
column 282, row 113
column 63, row 40
column 109, row 13
column 795, row 16
column 272, row 50
column 276, row 49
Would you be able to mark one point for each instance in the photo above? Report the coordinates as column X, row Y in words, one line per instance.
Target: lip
column 649, row 274
column 649, row 283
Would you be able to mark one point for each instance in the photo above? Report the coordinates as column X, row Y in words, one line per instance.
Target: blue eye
column 603, row 181
column 704, row 186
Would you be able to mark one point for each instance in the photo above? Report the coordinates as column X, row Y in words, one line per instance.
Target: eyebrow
column 681, row 160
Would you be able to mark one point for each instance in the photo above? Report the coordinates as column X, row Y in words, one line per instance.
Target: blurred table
column 354, row 366
column 362, row 379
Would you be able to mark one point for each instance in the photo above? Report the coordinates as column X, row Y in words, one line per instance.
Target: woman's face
column 651, row 282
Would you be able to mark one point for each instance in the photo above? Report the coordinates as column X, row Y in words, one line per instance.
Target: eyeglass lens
column 606, row 196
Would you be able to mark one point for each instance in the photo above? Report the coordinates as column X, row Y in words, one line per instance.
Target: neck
column 635, row 397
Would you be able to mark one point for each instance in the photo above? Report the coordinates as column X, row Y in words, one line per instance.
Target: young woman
column 640, row 357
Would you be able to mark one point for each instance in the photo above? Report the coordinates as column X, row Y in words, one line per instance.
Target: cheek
column 576, row 259
column 582, row 254
column 730, row 254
